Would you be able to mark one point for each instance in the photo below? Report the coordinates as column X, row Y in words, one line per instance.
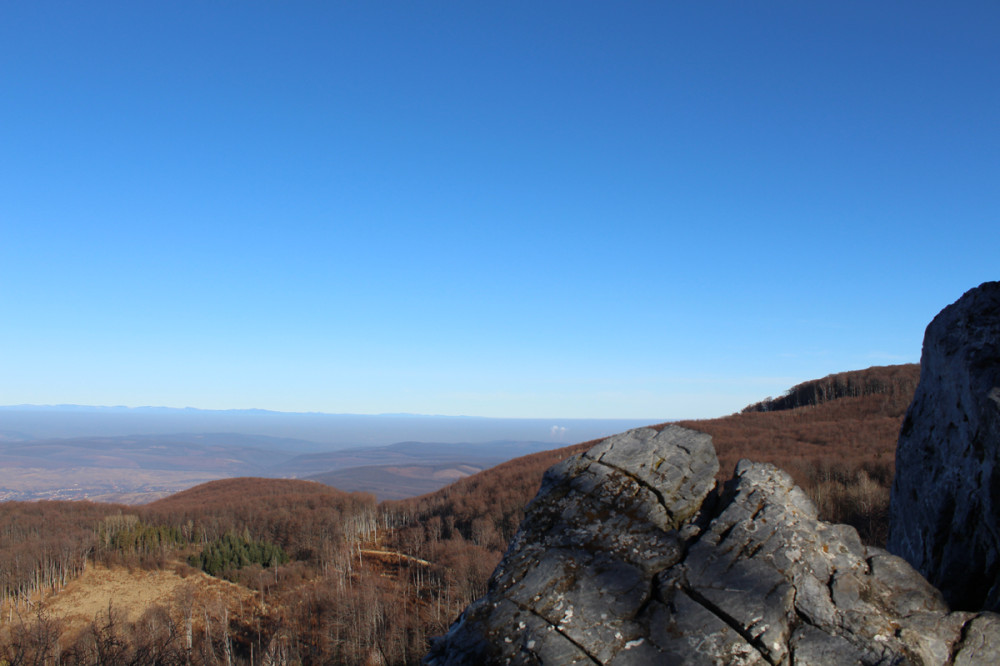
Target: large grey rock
column 603, row 525
column 626, row 557
column 945, row 508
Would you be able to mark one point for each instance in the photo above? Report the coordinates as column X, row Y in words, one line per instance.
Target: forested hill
column 836, row 436
column 891, row 380
column 241, row 490
column 295, row 515
column 485, row 508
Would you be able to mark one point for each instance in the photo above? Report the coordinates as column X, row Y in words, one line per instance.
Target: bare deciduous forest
column 836, row 436
column 320, row 576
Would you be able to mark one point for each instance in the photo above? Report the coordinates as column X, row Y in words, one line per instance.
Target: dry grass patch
column 130, row 594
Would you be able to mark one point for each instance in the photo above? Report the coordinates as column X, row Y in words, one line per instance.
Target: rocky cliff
column 945, row 510
column 627, row 556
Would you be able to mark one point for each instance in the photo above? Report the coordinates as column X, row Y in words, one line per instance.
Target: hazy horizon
column 71, row 406
column 328, row 430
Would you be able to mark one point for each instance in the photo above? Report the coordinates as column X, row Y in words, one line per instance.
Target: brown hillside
column 45, row 544
column 850, row 419
column 839, row 443
column 299, row 516
column 245, row 488
column 892, row 380
column 497, row 494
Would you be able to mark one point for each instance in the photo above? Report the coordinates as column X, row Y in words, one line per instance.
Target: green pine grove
column 233, row 551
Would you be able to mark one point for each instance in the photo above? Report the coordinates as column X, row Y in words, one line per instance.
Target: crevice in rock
column 852, row 639
column 733, row 624
column 528, row 609
column 652, row 594
column 807, row 620
column 960, row 643
column 750, row 548
column 724, row 534
column 710, row 510
column 644, row 484
column 680, row 444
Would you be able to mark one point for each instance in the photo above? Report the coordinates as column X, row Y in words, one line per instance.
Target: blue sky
column 517, row 209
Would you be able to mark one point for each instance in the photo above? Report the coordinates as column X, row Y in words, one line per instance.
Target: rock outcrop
column 626, row 556
column 945, row 509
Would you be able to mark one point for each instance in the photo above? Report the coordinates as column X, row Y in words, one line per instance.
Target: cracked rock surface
column 945, row 510
column 626, row 556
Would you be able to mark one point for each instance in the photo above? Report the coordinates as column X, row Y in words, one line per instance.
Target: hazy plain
column 135, row 455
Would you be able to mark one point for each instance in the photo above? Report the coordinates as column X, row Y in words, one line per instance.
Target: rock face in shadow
column 627, row 557
column 945, row 509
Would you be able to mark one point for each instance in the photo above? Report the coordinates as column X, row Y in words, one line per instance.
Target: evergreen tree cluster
column 233, row 551
column 135, row 536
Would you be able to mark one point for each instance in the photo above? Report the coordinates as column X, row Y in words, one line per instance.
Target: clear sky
column 523, row 209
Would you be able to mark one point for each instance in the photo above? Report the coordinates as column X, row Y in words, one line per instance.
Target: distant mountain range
column 324, row 431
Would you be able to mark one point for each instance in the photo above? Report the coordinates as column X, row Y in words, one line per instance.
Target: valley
column 116, row 485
